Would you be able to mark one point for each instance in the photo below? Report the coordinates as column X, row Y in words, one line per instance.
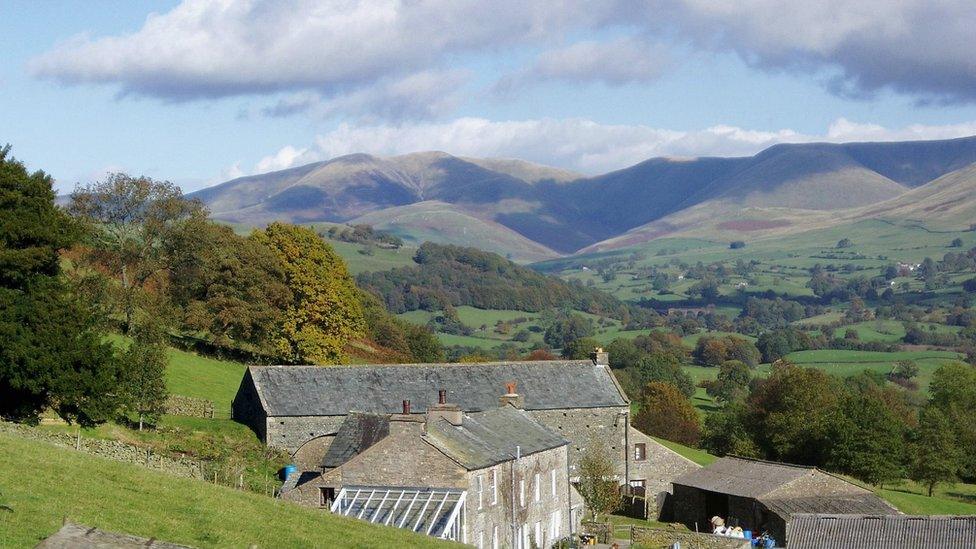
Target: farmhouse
column 301, row 408
column 813, row 531
column 495, row 478
column 764, row 496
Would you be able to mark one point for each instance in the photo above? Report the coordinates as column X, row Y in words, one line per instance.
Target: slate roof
column 823, row 531
column 77, row 536
column 358, row 432
column 864, row 503
column 494, row 436
column 748, row 478
column 335, row 390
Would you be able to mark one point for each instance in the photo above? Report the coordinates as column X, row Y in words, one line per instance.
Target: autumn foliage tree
column 666, row 413
column 325, row 312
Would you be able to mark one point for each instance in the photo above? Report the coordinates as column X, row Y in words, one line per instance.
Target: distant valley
column 530, row 212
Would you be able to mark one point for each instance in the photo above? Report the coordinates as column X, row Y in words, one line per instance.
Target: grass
column 44, row 484
column 192, row 375
column 700, row 457
column 917, row 504
column 847, row 363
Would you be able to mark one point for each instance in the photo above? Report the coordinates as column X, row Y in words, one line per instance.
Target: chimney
column 600, row 357
column 450, row 412
column 406, row 406
column 511, row 397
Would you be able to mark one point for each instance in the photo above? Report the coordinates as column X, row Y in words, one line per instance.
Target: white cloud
column 615, row 62
column 340, row 49
column 578, row 144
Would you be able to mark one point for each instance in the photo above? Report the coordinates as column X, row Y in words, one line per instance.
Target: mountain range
column 531, row 212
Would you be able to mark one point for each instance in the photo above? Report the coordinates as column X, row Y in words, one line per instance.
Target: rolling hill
column 531, row 212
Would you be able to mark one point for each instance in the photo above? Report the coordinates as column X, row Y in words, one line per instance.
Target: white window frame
column 522, row 492
column 554, row 524
column 494, row 486
column 481, row 540
column 552, row 478
column 538, row 533
column 643, row 448
column 538, row 488
column 494, row 537
column 480, row 481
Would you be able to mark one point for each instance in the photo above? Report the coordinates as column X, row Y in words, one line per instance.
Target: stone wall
column 580, row 425
column 484, row 522
column 290, row 433
column 660, row 466
column 247, row 409
column 662, row 537
column 110, row 449
column 179, row 405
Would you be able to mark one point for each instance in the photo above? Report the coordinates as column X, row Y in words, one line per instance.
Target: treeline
column 132, row 255
column 364, row 234
column 447, row 275
column 860, row 426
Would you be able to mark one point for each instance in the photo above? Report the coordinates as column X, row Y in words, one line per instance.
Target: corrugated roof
column 749, row 478
column 335, row 390
column 852, row 503
column 358, row 432
column 493, row 436
column 822, row 531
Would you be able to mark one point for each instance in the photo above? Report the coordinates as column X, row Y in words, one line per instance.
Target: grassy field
column 847, row 363
column 192, row 375
column 700, row 457
column 44, row 484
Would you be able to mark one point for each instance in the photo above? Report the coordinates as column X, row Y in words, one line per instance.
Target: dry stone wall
column 662, row 537
column 179, row 405
column 110, row 449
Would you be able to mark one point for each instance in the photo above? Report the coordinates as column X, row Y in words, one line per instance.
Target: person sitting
column 718, row 526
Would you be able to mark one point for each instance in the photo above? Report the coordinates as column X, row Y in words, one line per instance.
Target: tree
column 51, row 352
column 597, row 478
column 566, row 328
column 706, row 289
column 664, row 368
column 969, row 285
column 867, row 440
column 579, row 349
column 956, row 243
column 711, row 351
column 905, row 369
column 936, row 458
column 227, row 286
column 791, row 412
column 953, row 392
column 130, row 220
column 726, row 432
column 737, row 244
column 143, row 379
column 665, row 412
column 732, row 382
column 325, row 312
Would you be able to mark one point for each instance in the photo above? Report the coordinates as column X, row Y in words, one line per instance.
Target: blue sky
column 198, row 92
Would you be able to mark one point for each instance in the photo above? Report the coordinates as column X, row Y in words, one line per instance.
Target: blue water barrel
column 287, row 471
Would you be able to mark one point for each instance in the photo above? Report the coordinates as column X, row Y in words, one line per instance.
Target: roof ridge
column 420, row 364
column 779, row 463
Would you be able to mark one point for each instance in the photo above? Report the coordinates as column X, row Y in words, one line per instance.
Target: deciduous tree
column 597, row 478
column 665, row 412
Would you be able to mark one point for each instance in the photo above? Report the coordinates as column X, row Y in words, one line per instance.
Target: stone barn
column 882, row 531
column 301, row 408
column 764, row 496
column 494, row 478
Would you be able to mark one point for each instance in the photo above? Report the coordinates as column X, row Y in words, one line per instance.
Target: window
column 640, row 451
column 638, row 486
column 538, row 488
column 522, row 492
column 538, row 533
column 481, row 540
column 326, row 496
column 554, row 526
column 552, row 481
column 494, row 537
column 494, row 486
column 480, row 480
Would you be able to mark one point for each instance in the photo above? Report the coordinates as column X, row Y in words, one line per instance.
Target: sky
column 198, row 92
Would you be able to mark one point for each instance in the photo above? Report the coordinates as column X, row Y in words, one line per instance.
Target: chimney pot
column 406, row 406
column 442, row 396
column 510, row 388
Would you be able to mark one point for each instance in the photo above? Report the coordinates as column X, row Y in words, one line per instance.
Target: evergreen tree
column 936, row 457
column 325, row 312
column 51, row 354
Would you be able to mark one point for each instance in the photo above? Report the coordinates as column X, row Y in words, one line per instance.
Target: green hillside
column 43, row 484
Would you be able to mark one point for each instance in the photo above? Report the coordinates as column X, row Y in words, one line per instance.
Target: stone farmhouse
column 813, row 531
column 301, row 408
column 494, row 478
column 765, row 496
